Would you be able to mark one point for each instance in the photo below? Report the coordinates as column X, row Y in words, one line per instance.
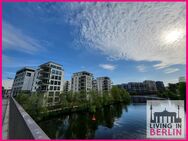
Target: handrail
column 21, row 125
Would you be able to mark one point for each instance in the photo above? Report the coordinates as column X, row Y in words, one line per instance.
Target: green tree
column 182, row 90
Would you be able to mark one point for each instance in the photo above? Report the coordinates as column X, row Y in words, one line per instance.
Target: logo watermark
column 165, row 119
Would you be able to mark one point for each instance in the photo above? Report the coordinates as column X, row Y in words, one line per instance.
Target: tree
column 182, row 90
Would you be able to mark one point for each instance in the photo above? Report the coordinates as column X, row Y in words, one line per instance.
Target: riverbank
column 70, row 102
column 68, row 110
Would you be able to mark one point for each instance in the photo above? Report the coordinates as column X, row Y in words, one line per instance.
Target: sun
column 173, row 35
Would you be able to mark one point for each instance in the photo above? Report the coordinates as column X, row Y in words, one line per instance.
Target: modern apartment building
column 81, row 81
column 94, row 87
column 49, row 79
column 146, row 87
column 67, row 86
column 103, row 84
column 23, row 80
column 160, row 86
column 151, row 86
column 36, row 80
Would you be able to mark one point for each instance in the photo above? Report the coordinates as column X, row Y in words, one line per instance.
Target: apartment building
column 81, row 81
column 160, row 86
column 23, row 80
column 103, row 84
column 146, row 87
column 67, row 86
column 151, row 86
column 36, row 80
column 94, row 87
column 49, row 80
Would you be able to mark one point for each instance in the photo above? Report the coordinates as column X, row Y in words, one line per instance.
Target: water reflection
column 115, row 121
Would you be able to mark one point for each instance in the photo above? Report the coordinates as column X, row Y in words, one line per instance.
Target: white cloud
column 108, row 66
column 132, row 31
column 170, row 70
column 15, row 39
column 141, row 68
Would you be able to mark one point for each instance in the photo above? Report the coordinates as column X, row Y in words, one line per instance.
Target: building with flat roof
column 82, row 81
column 104, row 84
column 140, row 88
column 49, row 79
column 23, row 80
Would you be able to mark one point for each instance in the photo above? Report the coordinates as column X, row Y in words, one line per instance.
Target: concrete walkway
column 5, row 121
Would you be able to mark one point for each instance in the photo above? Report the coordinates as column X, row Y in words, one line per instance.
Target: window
column 28, row 74
column 52, row 76
column 52, row 82
column 50, row 94
column 57, row 94
column 58, row 88
column 56, row 77
column 54, row 87
column 59, row 78
column 57, row 72
column 59, row 83
column 53, row 71
column 56, row 99
column 55, row 83
column 51, row 87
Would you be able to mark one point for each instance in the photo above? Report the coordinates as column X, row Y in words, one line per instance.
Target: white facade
column 23, row 80
column 104, row 84
column 36, row 80
column 82, row 81
column 49, row 79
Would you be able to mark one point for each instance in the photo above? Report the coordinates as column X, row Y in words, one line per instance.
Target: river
column 113, row 122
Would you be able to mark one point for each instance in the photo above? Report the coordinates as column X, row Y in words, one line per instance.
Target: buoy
column 93, row 118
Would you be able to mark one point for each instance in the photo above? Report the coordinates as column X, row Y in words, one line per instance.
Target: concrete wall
column 21, row 125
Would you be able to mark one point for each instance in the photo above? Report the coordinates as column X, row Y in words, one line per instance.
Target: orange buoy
column 93, row 118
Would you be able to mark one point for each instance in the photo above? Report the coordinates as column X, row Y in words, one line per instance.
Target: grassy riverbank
column 71, row 102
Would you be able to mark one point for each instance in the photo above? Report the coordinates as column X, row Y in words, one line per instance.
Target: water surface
column 113, row 122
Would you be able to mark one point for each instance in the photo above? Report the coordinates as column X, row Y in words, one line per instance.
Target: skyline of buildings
column 145, row 87
column 67, row 86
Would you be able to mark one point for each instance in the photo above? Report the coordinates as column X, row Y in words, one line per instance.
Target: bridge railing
column 21, row 125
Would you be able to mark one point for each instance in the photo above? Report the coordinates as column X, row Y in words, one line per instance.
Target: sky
column 129, row 42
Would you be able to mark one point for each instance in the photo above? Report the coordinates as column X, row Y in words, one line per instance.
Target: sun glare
column 173, row 36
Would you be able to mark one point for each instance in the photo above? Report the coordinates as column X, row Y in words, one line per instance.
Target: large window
column 54, row 87
column 55, row 83
column 53, row 71
column 53, row 77
column 51, row 87
column 28, row 74
column 56, row 77
column 51, row 94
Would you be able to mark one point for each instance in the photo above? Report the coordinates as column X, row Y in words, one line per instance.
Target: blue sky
column 125, row 41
